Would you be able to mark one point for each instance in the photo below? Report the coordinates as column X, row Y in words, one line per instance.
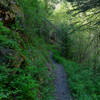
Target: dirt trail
column 61, row 84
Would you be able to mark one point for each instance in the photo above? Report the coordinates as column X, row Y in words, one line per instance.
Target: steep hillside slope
column 23, row 57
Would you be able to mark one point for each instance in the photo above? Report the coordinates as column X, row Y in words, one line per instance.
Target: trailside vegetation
column 23, row 53
column 29, row 29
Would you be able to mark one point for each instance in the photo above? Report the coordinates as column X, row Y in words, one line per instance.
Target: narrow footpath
column 60, row 82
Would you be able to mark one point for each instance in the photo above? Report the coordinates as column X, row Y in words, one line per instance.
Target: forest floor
column 62, row 91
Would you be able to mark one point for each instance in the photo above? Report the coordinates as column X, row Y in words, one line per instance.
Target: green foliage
column 86, row 5
column 33, row 12
column 30, row 81
column 82, row 83
column 22, row 86
column 79, row 32
column 24, row 57
column 24, row 53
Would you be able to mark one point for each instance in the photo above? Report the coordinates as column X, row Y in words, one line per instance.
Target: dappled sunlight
column 58, row 6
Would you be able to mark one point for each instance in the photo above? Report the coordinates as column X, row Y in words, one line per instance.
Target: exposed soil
column 60, row 82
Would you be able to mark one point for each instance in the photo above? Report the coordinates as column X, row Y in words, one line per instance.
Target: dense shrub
column 24, row 55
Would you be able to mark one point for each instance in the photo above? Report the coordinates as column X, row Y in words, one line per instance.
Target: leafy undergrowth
column 23, row 67
column 83, row 84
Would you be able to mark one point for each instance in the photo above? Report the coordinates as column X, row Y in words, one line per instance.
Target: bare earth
column 61, row 84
